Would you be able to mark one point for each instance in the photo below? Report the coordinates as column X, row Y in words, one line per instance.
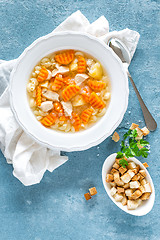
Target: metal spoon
column 120, row 49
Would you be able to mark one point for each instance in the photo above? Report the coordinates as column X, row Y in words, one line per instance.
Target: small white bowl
column 147, row 205
column 55, row 139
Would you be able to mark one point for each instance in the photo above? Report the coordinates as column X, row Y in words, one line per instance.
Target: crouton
column 116, row 165
column 116, row 176
column 119, row 183
column 139, row 201
column 126, row 177
column 129, row 192
column 140, row 133
column 134, row 184
column 126, row 185
column 120, row 190
column 118, row 197
column 113, row 191
column 145, row 196
column 136, row 177
column 145, row 131
column 113, row 184
column 109, row 178
column 136, row 194
column 87, row 196
column 117, row 179
column 136, row 170
column 143, row 182
column 124, row 201
column 141, row 188
column 122, row 170
column 93, row 191
column 143, row 173
column 131, row 165
column 147, row 187
column 132, row 204
column 145, row 165
column 131, row 173
column 141, row 177
column 115, row 137
column 113, row 170
column 133, row 126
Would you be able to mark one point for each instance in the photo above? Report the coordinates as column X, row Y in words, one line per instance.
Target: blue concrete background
column 56, row 208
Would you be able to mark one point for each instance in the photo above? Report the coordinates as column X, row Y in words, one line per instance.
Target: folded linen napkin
column 30, row 160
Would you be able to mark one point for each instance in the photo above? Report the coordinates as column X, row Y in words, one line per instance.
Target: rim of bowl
column 107, row 189
column 93, row 143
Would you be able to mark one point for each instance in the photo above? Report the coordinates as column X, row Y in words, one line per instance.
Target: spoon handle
column 150, row 122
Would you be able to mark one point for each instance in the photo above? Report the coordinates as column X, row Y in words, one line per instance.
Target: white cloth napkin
column 30, row 160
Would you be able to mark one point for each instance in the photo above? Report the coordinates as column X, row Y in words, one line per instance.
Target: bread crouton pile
column 129, row 185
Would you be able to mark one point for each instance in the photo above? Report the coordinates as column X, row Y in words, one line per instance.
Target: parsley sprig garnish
column 133, row 147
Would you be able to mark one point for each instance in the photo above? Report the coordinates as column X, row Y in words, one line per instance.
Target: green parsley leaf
column 127, row 134
column 119, row 155
column 130, row 146
column 134, row 133
column 123, row 163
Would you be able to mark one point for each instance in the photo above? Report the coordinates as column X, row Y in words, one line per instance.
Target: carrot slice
column 65, row 57
column 38, row 96
column 86, row 114
column 70, row 91
column 96, row 85
column 58, row 107
column 58, row 83
column 43, row 74
column 49, row 120
column 81, row 64
column 76, row 121
column 95, row 101
column 86, row 92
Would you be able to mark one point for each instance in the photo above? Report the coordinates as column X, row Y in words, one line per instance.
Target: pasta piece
column 39, row 118
column 86, row 93
column 76, row 121
column 65, row 57
column 32, row 102
column 81, row 64
column 43, row 74
column 86, row 114
column 96, row 85
column 63, row 127
column 95, row 101
column 101, row 112
column 30, row 87
column 58, row 83
column 34, row 81
column 49, row 119
column 78, row 101
column 58, row 107
column 38, row 96
column 68, row 127
column 70, row 91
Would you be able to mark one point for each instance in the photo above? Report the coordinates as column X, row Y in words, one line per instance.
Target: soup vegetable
column 68, row 91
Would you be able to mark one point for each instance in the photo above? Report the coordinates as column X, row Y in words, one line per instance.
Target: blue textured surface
column 55, row 208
